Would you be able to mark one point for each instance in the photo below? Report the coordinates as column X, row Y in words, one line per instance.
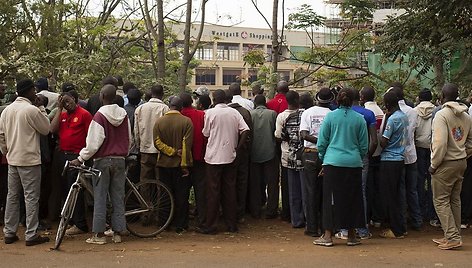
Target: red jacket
column 278, row 103
column 199, row 141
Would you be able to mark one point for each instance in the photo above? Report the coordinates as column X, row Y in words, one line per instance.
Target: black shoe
column 233, row 229
column 10, row 239
column 37, row 240
column 206, row 231
column 312, row 234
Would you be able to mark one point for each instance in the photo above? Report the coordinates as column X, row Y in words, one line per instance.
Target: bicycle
column 149, row 205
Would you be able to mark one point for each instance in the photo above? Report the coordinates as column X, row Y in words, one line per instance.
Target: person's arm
column 305, row 125
column 93, row 142
column 388, row 129
column 40, row 121
column 304, row 134
column 364, row 140
column 438, row 142
column 56, row 121
column 279, row 124
column 3, row 142
column 323, row 137
column 468, row 142
column 373, row 140
column 243, row 137
column 137, row 137
column 186, row 160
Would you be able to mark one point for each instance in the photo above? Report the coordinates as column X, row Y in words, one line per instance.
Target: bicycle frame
column 140, row 198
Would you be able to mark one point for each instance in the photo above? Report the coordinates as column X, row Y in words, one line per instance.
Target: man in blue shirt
column 392, row 164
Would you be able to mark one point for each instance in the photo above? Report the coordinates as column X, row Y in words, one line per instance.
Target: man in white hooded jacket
column 451, row 146
column 108, row 143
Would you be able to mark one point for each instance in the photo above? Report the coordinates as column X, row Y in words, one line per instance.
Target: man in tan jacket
column 450, row 147
column 21, row 125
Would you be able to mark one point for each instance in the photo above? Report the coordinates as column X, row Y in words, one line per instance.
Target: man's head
column 109, row 80
column 345, row 97
column 367, row 94
column 356, row 96
column 259, row 100
column 219, row 96
column 157, row 91
column 134, row 96
column 449, row 92
column 293, row 99
column 42, row 84
column 324, row 97
column 69, row 100
column 127, row 86
column 229, row 95
column 25, row 88
column 257, row 89
column 398, row 91
column 41, row 100
column 202, row 90
column 306, row 100
column 108, row 94
column 425, row 95
column 235, row 88
column 390, row 100
column 203, row 102
column 176, row 103
column 397, row 84
column 186, row 99
column 282, row 87
column 119, row 80
column 67, row 86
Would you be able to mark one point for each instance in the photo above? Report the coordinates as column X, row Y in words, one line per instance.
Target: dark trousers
column 3, row 189
column 410, row 201
column 198, row 179
column 425, row 194
column 45, row 190
column 285, row 214
column 78, row 219
column 466, row 194
column 58, row 185
column 221, row 188
column 149, row 170
column 390, row 184
column 374, row 198
column 242, row 174
column 313, row 191
column 264, row 175
column 180, row 187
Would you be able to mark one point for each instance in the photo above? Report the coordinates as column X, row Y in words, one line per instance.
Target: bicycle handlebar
column 82, row 168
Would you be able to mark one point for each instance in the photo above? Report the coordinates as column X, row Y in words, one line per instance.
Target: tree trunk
column 161, row 52
column 439, row 72
column 185, row 53
column 275, row 46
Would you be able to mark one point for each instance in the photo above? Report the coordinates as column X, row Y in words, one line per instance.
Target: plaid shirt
column 295, row 143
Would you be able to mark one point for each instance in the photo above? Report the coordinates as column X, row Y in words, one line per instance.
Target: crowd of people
column 339, row 163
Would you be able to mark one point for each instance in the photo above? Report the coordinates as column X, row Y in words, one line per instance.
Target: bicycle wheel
column 66, row 215
column 148, row 218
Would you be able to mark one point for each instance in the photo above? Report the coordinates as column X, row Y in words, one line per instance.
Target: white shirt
column 410, row 150
column 279, row 124
column 222, row 126
column 470, row 110
column 144, row 118
column 52, row 98
column 311, row 121
column 379, row 115
column 249, row 105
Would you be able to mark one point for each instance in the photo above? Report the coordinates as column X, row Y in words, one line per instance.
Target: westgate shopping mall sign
column 243, row 35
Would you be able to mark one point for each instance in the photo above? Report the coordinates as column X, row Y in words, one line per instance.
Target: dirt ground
column 261, row 243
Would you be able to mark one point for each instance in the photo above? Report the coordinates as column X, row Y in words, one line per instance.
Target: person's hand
column 185, row 172
column 60, row 104
column 431, row 170
column 75, row 162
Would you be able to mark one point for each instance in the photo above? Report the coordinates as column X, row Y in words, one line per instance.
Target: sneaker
column 353, row 242
column 435, row 223
column 365, row 236
column 439, row 241
column 322, row 241
column 74, row 230
column 464, row 226
column 37, row 240
column 450, row 245
column 109, row 233
column 97, row 240
column 341, row 235
column 10, row 239
column 116, row 238
column 388, row 233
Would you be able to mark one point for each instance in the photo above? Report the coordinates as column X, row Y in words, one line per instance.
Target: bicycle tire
column 66, row 215
column 144, row 222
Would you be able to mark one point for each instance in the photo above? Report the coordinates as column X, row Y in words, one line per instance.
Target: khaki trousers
column 446, row 184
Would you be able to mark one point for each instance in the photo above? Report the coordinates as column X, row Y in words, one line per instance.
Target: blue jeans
column 295, row 193
column 425, row 194
column 111, row 182
column 409, row 195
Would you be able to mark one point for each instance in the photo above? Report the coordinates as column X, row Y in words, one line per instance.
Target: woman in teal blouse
column 342, row 144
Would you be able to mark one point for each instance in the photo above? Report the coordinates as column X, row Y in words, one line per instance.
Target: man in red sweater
column 198, row 152
column 279, row 103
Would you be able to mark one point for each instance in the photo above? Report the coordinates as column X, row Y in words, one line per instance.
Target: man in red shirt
column 279, row 103
column 71, row 126
column 198, row 153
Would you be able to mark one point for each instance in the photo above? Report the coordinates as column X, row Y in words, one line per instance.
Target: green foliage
column 304, row 17
column 357, row 10
column 254, row 57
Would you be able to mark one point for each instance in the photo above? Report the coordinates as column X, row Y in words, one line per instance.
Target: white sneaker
column 109, row 233
column 74, row 230
column 340, row 235
column 97, row 240
column 116, row 238
column 464, row 226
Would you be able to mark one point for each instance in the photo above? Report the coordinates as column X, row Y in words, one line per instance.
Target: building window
column 228, row 52
column 205, row 52
column 231, row 76
column 205, row 77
